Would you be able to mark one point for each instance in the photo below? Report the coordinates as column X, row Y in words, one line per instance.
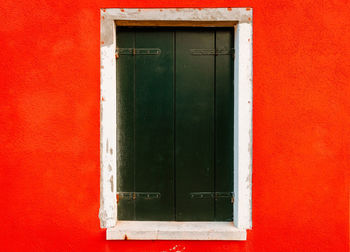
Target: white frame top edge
column 242, row 15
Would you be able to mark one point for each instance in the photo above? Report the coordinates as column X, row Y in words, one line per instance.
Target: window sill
column 164, row 230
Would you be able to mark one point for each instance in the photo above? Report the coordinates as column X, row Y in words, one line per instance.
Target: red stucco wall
column 49, row 127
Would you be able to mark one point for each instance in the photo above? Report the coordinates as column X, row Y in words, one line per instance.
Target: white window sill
column 173, row 230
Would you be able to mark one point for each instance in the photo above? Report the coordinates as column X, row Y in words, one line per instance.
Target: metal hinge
column 212, row 195
column 138, row 195
column 134, row 51
column 217, row 52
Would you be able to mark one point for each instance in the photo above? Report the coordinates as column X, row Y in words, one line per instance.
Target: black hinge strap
column 138, row 195
column 212, row 195
column 200, row 52
column 137, row 51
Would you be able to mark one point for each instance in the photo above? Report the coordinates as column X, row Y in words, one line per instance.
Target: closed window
column 176, row 123
column 175, row 112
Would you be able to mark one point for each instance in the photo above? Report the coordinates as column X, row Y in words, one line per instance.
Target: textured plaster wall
column 49, row 121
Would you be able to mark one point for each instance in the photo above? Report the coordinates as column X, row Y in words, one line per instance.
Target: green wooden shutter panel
column 175, row 124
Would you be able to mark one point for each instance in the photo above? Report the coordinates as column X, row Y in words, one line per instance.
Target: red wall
column 49, row 127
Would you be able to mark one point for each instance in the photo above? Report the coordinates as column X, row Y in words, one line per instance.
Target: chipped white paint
column 243, row 128
column 108, row 150
column 243, row 138
column 162, row 230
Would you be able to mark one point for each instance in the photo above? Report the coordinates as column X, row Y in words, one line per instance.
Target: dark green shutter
column 154, row 126
column 125, row 124
column 194, row 125
column 224, row 127
column 145, row 123
column 175, row 124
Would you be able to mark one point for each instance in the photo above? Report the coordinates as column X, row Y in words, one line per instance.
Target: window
column 176, row 123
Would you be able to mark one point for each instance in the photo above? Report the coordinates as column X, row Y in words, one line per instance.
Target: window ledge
column 173, row 230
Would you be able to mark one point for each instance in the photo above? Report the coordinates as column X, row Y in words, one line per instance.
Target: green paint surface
column 175, row 124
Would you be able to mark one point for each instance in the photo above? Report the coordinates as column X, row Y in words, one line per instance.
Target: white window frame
column 241, row 19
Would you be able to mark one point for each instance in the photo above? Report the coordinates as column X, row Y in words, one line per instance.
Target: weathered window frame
column 240, row 19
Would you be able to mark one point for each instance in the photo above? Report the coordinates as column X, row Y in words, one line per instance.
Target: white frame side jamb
column 243, row 86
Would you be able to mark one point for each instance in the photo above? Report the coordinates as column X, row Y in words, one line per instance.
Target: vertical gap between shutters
column 174, row 106
column 134, row 59
column 214, row 154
